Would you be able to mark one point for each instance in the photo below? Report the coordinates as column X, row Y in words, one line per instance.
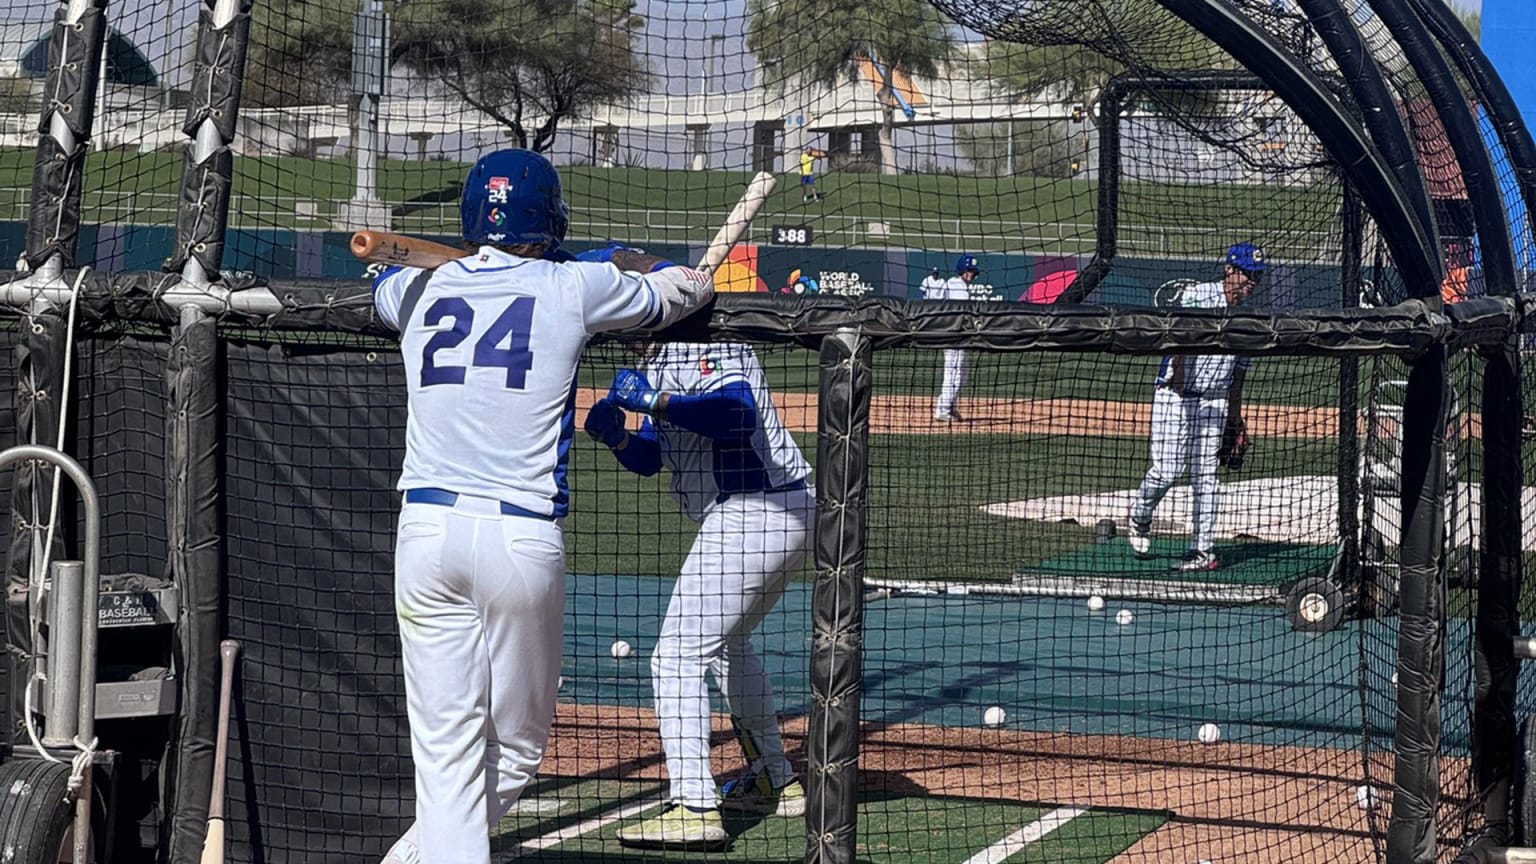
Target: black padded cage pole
column 39, row 365
column 1495, row 731
column 1364, row 78
column 223, row 33
column 1487, row 202
column 1353, row 231
column 1492, row 96
column 837, row 599
column 64, row 135
column 1411, row 830
column 193, row 467
column 1411, row 837
column 1496, row 752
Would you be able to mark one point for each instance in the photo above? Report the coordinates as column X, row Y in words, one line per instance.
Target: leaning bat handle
column 387, row 248
column 229, row 649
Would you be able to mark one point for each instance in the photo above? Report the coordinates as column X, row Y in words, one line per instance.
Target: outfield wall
column 289, row 254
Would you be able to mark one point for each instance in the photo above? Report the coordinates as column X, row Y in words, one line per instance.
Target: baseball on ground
column 1095, row 603
column 1124, row 616
column 1366, row 798
column 993, row 716
column 1209, row 733
column 620, row 649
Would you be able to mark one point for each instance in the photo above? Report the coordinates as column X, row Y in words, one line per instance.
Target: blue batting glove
column 631, row 390
column 604, row 255
column 600, row 255
column 605, row 423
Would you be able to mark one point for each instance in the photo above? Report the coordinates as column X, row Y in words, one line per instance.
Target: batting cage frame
column 148, row 377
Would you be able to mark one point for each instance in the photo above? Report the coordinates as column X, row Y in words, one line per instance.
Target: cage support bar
column 837, row 598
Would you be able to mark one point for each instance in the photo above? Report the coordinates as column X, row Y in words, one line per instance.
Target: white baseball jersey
column 1202, row 374
column 933, row 287
column 705, row 471
column 471, row 332
column 956, row 288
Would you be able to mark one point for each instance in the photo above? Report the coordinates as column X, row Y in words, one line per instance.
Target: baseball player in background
column 1191, row 403
column 491, row 344
column 957, row 287
column 736, row 471
column 933, row 285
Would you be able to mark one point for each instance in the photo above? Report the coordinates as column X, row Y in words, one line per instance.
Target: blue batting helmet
column 967, row 263
column 513, row 196
column 1246, row 257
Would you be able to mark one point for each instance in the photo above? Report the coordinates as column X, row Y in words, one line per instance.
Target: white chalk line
column 1014, row 843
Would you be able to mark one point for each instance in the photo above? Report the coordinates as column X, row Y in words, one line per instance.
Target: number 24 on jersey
column 512, row 326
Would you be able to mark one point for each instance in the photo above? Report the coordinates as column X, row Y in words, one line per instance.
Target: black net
column 1007, row 552
column 1098, row 137
column 120, row 440
column 313, row 437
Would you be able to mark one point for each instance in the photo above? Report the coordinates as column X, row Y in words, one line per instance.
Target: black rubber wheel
column 1314, row 605
column 1525, row 795
column 34, row 817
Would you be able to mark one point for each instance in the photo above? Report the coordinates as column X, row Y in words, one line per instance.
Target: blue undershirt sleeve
column 642, row 455
column 727, row 413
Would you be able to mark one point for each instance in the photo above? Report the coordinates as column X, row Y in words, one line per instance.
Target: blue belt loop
column 444, row 498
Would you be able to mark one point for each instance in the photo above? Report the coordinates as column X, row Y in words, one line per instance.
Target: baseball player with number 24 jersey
column 738, row 473
column 491, row 345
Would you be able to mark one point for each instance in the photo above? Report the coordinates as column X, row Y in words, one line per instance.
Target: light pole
column 716, row 43
column 370, row 71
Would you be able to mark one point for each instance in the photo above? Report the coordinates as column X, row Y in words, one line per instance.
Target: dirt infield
column 1228, row 802
column 913, row 415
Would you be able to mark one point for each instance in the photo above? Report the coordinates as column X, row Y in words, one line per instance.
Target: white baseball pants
column 955, row 372
column 479, row 597
column 1186, row 431
column 746, row 549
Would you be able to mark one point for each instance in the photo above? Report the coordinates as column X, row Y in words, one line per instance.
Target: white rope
column 82, row 763
column 83, row 759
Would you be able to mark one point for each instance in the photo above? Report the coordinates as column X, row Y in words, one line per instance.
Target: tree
column 300, row 53
column 1041, row 148
column 527, row 64
column 825, row 41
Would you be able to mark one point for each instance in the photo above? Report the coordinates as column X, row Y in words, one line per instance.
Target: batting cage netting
column 1135, row 463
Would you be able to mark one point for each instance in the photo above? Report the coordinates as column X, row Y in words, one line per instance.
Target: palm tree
column 824, row 42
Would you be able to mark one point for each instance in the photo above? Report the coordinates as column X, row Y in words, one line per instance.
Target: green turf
column 1095, row 836
column 999, row 214
column 925, row 496
column 894, row 828
column 1243, row 563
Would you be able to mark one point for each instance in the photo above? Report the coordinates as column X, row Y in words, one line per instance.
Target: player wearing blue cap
column 491, row 343
column 1194, row 396
column 958, row 287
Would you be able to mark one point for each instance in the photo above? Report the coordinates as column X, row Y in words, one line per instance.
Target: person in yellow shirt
column 808, row 191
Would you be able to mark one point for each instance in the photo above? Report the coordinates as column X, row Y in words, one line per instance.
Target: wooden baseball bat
column 387, row 248
column 213, row 843
column 737, row 223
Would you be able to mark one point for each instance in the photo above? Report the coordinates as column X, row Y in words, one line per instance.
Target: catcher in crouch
column 1197, row 419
